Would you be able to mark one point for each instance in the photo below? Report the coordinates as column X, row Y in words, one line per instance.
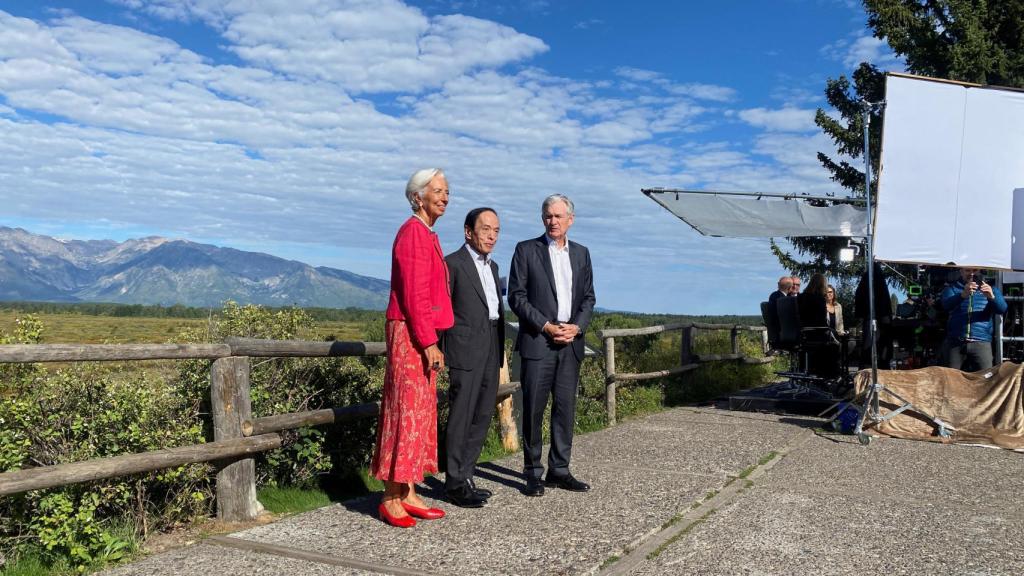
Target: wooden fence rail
column 688, row 360
column 238, row 435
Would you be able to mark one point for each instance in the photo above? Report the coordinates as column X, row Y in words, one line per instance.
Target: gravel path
column 684, row 491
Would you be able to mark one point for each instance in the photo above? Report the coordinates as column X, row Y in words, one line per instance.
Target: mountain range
column 156, row 270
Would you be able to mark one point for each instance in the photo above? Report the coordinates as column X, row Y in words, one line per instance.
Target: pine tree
column 979, row 41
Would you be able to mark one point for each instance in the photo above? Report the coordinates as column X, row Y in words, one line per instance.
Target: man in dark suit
column 785, row 286
column 551, row 290
column 474, row 350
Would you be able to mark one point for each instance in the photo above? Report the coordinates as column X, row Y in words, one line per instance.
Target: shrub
column 282, row 385
column 89, row 411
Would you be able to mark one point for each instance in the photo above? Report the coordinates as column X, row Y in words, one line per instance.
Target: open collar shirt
column 483, row 269
column 562, row 268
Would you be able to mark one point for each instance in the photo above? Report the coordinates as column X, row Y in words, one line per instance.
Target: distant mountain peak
column 158, row 270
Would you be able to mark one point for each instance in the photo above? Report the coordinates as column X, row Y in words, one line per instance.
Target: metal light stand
column 870, row 412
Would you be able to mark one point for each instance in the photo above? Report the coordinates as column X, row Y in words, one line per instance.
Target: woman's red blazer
column 419, row 283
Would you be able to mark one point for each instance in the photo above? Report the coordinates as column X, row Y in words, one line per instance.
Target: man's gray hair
column 558, row 198
column 418, row 183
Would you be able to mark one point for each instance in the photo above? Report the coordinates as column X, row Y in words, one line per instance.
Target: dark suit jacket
column 773, row 313
column 531, row 295
column 464, row 346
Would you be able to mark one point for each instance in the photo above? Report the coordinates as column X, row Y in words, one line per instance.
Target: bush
column 654, row 352
column 50, row 417
column 282, row 385
column 64, row 414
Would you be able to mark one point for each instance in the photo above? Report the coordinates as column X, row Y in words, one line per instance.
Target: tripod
column 870, row 411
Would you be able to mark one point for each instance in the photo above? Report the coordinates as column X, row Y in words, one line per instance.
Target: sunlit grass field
column 77, row 328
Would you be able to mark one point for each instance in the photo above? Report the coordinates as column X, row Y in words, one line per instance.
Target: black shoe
column 566, row 482
column 464, row 497
column 534, row 487
column 480, row 491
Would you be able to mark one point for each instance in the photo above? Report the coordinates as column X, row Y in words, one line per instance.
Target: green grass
column 74, row 328
column 32, row 563
column 671, row 521
column 292, row 500
column 372, row 484
column 767, row 458
column 664, row 546
column 27, row 565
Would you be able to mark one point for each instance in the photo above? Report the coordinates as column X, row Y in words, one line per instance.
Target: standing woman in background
column 418, row 307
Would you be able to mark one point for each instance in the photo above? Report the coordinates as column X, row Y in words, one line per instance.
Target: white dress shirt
column 562, row 268
column 483, row 269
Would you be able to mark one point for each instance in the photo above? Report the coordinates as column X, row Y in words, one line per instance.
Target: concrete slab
column 833, row 506
column 643, row 473
column 710, row 442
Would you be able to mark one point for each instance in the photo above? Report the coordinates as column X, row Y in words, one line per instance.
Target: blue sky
column 290, row 127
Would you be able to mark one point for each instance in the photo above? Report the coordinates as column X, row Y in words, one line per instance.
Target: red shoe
column 424, row 513
column 396, row 521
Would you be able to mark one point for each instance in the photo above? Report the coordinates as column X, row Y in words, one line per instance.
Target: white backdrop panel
column 917, row 195
column 952, row 156
column 993, row 162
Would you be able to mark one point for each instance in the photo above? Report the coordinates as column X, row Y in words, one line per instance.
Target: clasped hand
column 563, row 333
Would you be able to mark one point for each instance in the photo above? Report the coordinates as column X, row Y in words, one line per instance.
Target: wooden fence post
column 734, row 339
column 231, row 405
column 506, row 419
column 765, row 346
column 609, row 379
column 686, row 346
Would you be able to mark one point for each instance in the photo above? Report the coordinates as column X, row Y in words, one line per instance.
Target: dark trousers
column 969, row 356
column 556, row 375
column 471, row 401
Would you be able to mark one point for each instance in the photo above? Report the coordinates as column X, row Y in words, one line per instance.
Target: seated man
column 794, row 285
column 971, row 303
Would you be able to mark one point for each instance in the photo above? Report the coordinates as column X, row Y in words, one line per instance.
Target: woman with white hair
column 419, row 306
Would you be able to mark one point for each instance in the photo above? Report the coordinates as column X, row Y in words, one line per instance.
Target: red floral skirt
column 407, row 428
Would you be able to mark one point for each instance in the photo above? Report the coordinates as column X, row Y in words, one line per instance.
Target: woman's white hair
column 558, row 198
column 418, row 183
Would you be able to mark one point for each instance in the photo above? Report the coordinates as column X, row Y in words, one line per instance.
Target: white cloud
column 696, row 90
column 362, row 45
column 587, row 24
column 638, row 74
column 781, row 120
column 862, row 47
column 705, row 91
column 284, row 150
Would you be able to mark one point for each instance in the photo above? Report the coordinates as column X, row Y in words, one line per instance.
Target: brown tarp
column 985, row 407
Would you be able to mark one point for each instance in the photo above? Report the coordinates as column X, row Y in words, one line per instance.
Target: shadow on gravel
column 501, row 475
column 802, row 422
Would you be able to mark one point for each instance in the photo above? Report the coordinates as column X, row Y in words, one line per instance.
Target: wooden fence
column 687, row 359
column 238, row 435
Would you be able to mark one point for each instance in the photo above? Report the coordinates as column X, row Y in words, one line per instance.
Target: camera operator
column 971, row 303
